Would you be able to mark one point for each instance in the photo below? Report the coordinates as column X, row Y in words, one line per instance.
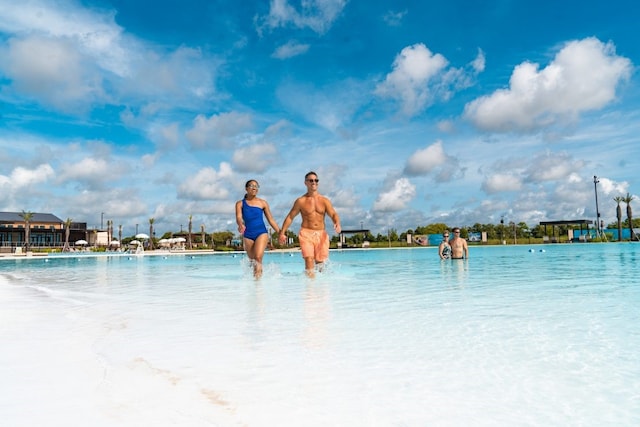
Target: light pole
column 595, row 187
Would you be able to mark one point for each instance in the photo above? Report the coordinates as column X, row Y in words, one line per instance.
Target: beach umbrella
column 180, row 239
column 134, row 242
column 81, row 242
column 142, row 236
column 114, row 243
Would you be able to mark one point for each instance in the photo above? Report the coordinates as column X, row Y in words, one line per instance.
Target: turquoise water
column 516, row 335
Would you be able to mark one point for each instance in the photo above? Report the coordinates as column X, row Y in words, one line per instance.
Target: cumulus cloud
column 219, row 130
column 256, row 158
column 419, row 77
column 582, row 77
column 434, row 160
column 395, row 198
column 408, row 83
column 501, row 182
column 90, row 171
column 69, row 58
column 550, row 166
column 290, row 49
column 318, row 15
column 426, row 160
column 22, row 177
column 207, row 184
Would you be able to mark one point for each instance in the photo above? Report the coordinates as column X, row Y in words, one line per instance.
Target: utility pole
column 595, row 187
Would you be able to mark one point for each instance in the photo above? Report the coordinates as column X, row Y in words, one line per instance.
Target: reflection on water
column 317, row 313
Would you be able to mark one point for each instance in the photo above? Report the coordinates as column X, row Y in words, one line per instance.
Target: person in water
column 314, row 240
column 249, row 217
column 444, row 250
column 459, row 247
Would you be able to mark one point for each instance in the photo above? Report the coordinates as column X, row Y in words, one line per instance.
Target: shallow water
column 517, row 335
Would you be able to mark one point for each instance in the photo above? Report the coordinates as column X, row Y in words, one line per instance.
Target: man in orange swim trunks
column 314, row 240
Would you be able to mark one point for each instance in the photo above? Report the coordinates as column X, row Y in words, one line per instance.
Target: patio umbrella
column 134, row 242
column 114, row 243
column 81, row 242
column 142, row 236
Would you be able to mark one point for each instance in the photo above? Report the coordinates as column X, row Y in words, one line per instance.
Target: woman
column 444, row 250
column 249, row 212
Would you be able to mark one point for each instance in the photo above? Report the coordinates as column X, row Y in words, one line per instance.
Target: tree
column 67, row 232
column 203, row 236
column 619, row 199
column 27, row 217
column 190, row 230
column 628, row 200
column 151, row 221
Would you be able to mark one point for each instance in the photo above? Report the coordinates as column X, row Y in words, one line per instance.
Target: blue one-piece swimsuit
column 253, row 222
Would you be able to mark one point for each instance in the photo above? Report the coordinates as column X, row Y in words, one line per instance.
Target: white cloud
column 501, row 182
column 318, row 15
column 426, row 160
column 89, row 169
column 219, row 130
column 290, row 49
column 22, row 177
column 408, row 83
column 207, row 184
column 70, row 58
column 52, row 71
column 433, row 159
column 479, row 62
column 582, row 77
column 551, row 166
column 256, row 158
column 395, row 198
column 394, row 19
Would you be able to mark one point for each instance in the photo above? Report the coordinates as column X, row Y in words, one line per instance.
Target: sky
column 410, row 112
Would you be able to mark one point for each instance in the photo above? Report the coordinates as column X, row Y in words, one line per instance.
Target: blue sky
column 410, row 112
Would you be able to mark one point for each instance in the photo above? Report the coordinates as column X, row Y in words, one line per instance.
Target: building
column 46, row 231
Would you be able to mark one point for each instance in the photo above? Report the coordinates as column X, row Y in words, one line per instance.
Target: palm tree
column 618, row 200
column 628, row 200
column 151, row 221
column 27, row 217
column 203, row 236
column 190, row 230
column 67, row 232
column 120, row 234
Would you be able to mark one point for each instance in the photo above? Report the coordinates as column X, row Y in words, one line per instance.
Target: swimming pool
column 517, row 335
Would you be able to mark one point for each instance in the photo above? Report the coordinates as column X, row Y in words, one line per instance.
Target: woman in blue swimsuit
column 249, row 213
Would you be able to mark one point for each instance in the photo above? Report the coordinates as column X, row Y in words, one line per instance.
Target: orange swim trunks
column 314, row 244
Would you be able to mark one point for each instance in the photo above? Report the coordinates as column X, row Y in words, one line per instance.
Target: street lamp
column 595, row 187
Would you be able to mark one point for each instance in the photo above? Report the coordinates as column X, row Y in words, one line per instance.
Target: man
column 314, row 240
column 459, row 248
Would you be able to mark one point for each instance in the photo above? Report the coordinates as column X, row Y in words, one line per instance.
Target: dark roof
column 37, row 217
column 567, row 222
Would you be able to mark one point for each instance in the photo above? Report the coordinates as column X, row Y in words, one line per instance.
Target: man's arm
column 295, row 210
column 333, row 215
